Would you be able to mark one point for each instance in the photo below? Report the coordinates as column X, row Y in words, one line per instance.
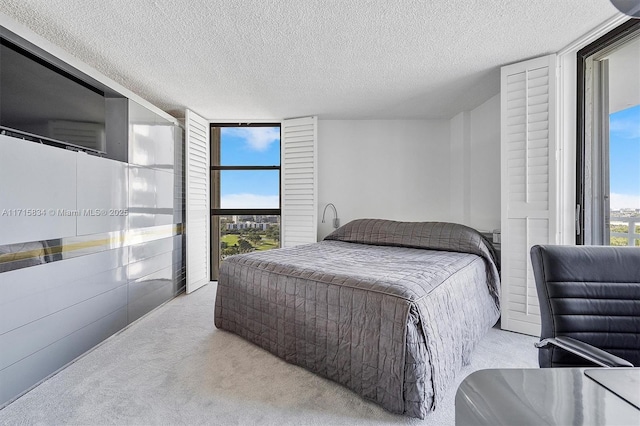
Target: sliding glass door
column 608, row 202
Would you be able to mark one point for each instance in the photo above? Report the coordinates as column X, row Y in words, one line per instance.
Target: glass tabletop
column 624, row 382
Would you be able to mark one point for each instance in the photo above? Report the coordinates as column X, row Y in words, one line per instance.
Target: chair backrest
column 590, row 293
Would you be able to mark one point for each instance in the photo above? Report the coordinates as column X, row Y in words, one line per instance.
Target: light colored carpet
column 174, row 367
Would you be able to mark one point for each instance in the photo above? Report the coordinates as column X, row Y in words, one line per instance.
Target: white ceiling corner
column 270, row 59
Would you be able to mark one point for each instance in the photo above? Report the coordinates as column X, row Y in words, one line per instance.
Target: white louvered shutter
column 528, row 98
column 299, row 183
column 198, row 213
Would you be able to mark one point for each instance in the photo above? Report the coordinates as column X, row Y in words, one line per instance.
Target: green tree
column 230, row 251
column 254, row 238
column 273, row 232
column 244, row 246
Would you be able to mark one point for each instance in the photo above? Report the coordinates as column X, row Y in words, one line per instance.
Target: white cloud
column 257, row 138
column 624, row 201
column 250, row 201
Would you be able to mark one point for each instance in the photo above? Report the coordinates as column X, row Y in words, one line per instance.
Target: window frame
column 216, row 167
column 613, row 37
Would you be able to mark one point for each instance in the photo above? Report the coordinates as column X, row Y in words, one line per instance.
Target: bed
column 391, row 310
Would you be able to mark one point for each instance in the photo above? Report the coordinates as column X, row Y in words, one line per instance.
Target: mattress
column 378, row 306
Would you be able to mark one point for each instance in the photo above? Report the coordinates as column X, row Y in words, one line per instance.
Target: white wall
column 485, row 165
column 390, row 169
column 474, row 171
column 459, row 170
column 624, row 84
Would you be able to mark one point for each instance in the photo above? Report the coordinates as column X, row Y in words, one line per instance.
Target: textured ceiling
column 340, row 59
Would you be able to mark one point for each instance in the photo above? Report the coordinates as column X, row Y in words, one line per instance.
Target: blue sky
column 624, row 156
column 250, row 146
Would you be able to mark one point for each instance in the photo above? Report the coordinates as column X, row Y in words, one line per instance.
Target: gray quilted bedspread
column 378, row 306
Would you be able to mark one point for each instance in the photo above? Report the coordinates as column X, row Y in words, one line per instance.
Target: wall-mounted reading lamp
column 628, row 7
column 336, row 221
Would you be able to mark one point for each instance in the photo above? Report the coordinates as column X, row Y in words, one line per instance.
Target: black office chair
column 589, row 305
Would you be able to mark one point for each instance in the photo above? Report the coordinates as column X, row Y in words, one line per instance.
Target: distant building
column 625, row 212
column 253, row 218
column 247, row 225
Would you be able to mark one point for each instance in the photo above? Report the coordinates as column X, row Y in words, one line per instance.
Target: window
column 608, row 151
column 245, row 190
